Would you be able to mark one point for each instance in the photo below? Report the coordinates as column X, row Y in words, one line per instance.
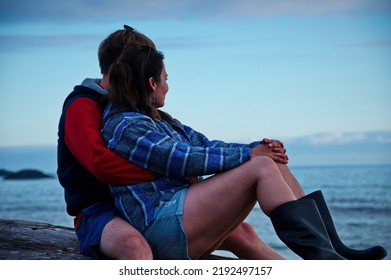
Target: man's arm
column 83, row 122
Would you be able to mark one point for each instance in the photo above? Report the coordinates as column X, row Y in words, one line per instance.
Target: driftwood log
column 30, row 240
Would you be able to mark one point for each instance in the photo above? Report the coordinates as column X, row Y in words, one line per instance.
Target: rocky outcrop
column 24, row 174
column 5, row 173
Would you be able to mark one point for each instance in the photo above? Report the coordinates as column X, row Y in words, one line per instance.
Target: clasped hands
column 273, row 149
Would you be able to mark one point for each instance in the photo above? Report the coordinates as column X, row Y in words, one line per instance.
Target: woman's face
column 161, row 88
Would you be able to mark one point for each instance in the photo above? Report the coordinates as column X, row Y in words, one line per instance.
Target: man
column 86, row 166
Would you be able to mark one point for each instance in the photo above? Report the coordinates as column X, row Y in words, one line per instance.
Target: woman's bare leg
column 245, row 244
column 218, row 203
column 291, row 180
column 278, row 147
column 224, row 242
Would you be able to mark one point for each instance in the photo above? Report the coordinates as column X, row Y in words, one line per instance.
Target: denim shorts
column 90, row 228
column 166, row 234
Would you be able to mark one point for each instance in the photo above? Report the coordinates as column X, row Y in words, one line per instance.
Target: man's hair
column 111, row 47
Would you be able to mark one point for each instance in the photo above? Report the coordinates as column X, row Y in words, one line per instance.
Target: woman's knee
column 264, row 166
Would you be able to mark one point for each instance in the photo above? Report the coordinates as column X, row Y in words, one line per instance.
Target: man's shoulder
column 81, row 91
column 84, row 91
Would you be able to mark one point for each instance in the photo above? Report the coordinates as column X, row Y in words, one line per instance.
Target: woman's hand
column 273, row 149
column 273, row 143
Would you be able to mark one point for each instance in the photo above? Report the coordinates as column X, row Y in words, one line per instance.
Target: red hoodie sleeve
column 83, row 123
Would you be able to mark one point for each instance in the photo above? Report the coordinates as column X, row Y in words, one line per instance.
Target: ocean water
column 359, row 198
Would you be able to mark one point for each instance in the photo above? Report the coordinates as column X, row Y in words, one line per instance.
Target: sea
column 359, row 198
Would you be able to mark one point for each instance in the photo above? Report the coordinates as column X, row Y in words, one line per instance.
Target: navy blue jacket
column 81, row 188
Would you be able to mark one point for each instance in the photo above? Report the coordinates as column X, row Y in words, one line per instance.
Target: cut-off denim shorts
column 166, row 234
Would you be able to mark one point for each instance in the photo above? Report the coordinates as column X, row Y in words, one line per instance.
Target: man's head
column 111, row 47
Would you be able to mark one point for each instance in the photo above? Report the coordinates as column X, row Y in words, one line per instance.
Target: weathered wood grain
column 31, row 240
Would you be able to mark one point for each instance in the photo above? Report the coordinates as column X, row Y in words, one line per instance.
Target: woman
column 184, row 218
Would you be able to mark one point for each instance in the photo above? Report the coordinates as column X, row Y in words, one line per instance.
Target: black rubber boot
column 373, row 253
column 299, row 225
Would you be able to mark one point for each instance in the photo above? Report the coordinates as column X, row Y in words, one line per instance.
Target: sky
column 238, row 70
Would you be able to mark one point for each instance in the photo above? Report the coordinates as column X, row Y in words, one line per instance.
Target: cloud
column 345, row 138
column 386, row 138
column 307, row 7
column 370, row 43
column 48, row 10
column 27, row 42
column 340, row 148
column 336, row 138
column 16, row 43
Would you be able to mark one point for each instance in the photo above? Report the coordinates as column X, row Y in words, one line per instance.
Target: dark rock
column 24, row 174
column 4, row 172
